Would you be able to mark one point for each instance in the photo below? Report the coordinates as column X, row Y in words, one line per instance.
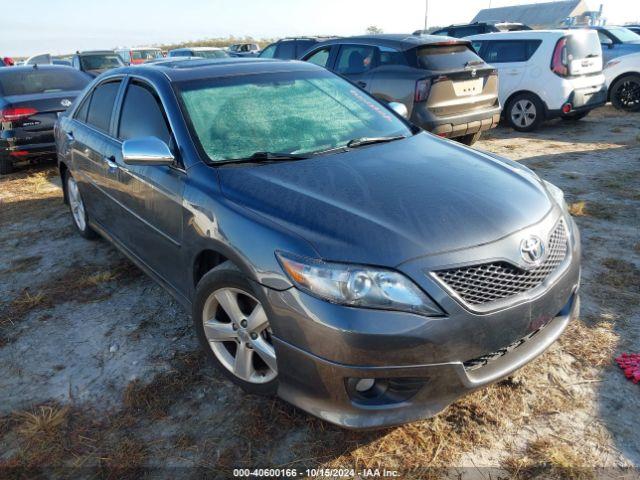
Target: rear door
column 511, row 58
column 149, row 197
column 89, row 133
column 355, row 63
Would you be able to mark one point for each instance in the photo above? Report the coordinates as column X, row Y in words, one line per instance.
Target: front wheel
column 625, row 93
column 525, row 112
column 76, row 205
column 233, row 329
column 469, row 139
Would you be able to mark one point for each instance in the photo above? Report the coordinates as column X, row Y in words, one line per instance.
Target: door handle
column 111, row 162
column 361, row 84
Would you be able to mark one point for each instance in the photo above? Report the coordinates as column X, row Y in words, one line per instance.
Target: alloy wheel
column 629, row 94
column 238, row 332
column 523, row 113
column 76, row 204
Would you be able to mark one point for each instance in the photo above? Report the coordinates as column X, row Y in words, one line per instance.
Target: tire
column 524, row 112
column 6, row 166
column 78, row 211
column 223, row 342
column 625, row 93
column 575, row 117
column 469, row 139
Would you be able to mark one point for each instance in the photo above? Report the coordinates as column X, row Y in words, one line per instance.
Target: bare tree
column 374, row 30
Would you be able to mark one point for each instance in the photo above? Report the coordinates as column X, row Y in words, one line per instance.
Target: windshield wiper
column 262, row 157
column 359, row 142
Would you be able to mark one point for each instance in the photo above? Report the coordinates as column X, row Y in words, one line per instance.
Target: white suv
column 545, row 74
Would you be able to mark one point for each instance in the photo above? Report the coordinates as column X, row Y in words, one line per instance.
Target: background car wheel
column 76, row 205
column 575, row 117
column 524, row 112
column 469, row 139
column 625, row 93
column 6, row 166
column 234, row 330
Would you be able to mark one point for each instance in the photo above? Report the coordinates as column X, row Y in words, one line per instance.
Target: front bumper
column 322, row 347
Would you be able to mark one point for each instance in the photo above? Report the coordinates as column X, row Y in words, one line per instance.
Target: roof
column 39, row 67
column 401, row 41
column 525, row 34
column 548, row 13
column 96, row 52
column 182, row 69
column 196, row 49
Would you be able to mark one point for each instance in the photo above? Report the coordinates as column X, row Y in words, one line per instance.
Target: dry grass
column 23, row 264
column 547, row 458
column 154, row 399
column 80, row 284
column 594, row 346
column 577, row 209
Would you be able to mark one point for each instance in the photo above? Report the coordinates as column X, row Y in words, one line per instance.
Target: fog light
column 365, row 384
column 566, row 108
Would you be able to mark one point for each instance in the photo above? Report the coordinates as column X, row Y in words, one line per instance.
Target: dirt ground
column 100, row 370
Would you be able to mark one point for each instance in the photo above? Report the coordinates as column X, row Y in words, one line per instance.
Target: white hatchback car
column 545, row 74
column 623, row 81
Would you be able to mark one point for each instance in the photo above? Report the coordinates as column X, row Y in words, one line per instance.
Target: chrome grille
column 488, row 282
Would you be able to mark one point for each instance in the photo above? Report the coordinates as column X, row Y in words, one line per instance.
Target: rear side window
column 303, row 46
column 509, row 51
column 321, row 57
column 389, row 56
column 31, row 81
column 101, row 105
column 286, row 50
column 268, row 52
column 355, row 59
column 81, row 113
column 460, row 32
column 446, row 57
column 142, row 115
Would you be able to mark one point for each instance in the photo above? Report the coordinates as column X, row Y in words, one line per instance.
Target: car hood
column 388, row 203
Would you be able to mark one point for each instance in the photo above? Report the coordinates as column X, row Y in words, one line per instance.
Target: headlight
column 557, row 194
column 357, row 286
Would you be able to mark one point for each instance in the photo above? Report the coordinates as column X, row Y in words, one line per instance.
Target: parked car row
column 455, row 88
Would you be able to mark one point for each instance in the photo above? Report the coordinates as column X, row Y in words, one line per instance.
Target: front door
column 150, row 197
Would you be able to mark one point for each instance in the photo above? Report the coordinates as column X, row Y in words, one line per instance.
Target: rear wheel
column 76, row 205
column 524, row 112
column 6, row 166
column 575, row 117
column 625, row 93
column 469, row 139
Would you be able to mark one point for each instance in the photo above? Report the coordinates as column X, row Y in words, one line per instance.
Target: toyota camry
column 330, row 252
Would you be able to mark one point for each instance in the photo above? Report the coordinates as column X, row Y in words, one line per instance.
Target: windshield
column 624, row 34
column 446, row 57
column 293, row 112
column 100, row 62
column 146, row 54
column 31, row 80
column 210, row 53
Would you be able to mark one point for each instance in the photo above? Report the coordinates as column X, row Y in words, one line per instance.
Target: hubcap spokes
column 76, row 204
column 630, row 94
column 237, row 329
column 523, row 113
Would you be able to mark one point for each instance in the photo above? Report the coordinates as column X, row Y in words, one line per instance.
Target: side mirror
column 146, row 151
column 399, row 108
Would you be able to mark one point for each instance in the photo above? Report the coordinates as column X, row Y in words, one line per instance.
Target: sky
column 64, row 26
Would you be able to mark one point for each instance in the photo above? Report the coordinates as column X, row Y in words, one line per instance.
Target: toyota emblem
column 65, row 103
column 532, row 250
